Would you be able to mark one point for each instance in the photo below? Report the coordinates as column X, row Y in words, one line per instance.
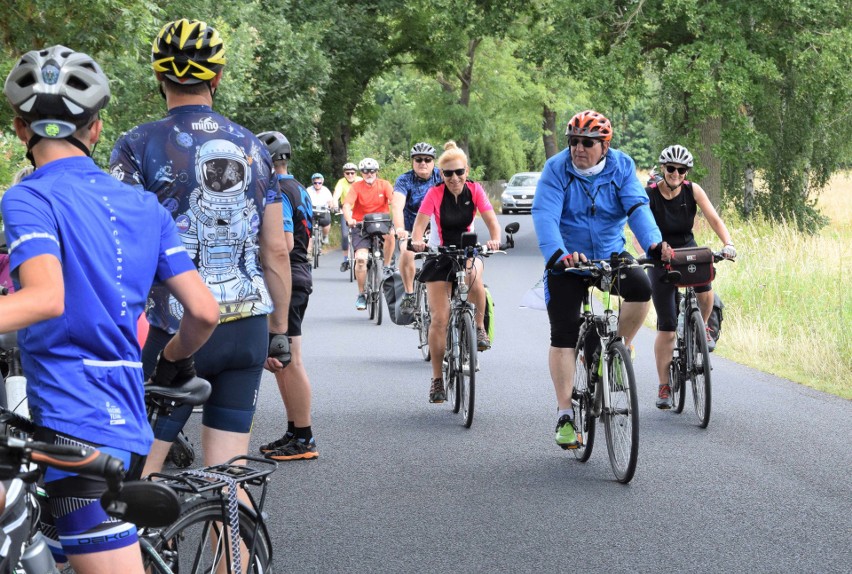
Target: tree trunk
column 338, row 146
column 548, row 136
column 466, row 77
column 710, row 133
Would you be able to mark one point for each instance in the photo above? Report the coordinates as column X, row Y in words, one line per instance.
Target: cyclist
column 216, row 178
column 321, row 199
column 370, row 195
column 350, row 176
column 585, row 195
column 674, row 203
column 451, row 207
column 408, row 192
column 298, row 441
column 84, row 250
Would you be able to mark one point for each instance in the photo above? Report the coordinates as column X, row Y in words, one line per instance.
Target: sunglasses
column 680, row 170
column 574, row 142
column 317, row 183
column 348, row 173
column 369, row 170
column 423, row 159
column 448, row 173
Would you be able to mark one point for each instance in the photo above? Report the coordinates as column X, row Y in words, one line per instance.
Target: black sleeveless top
column 675, row 217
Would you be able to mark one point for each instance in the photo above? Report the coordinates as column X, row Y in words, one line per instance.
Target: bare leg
column 127, row 559
column 561, row 362
column 477, row 292
column 406, row 269
column 630, row 319
column 705, row 303
column 663, row 347
column 295, row 387
column 439, row 307
column 361, row 268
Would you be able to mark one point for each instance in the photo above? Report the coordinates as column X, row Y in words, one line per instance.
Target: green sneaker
column 566, row 436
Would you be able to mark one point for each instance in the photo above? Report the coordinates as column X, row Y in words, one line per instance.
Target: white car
column 518, row 193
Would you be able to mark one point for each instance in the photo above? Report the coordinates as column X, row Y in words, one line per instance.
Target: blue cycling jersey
column 84, row 372
column 414, row 189
column 298, row 216
column 215, row 177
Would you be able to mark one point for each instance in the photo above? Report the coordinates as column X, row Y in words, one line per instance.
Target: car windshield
column 525, row 180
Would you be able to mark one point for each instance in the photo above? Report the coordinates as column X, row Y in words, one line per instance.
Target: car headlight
column 506, row 197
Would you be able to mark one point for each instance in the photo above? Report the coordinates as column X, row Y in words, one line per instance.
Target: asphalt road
column 401, row 486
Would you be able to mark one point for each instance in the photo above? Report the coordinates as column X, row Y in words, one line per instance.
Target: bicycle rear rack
column 190, row 482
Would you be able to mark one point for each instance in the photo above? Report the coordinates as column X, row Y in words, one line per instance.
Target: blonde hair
column 452, row 152
column 22, row 173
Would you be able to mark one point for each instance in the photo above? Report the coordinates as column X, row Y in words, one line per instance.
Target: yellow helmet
column 188, row 52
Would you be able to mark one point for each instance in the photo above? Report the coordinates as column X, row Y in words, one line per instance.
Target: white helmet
column 676, row 154
column 368, row 163
column 221, row 167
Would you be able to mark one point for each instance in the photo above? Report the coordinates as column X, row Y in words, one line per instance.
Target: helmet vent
column 76, row 83
column 27, row 80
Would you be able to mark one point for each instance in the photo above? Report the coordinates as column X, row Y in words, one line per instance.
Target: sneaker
column 276, row 444
column 387, row 272
column 711, row 342
column 483, row 343
column 344, row 266
column 407, row 303
column 566, row 436
column 664, row 399
column 361, row 302
column 325, row 240
column 297, row 449
column 436, row 391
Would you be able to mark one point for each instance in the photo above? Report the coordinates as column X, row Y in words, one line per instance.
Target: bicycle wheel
column 195, row 542
column 621, row 415
column 351, row 260
column 449, row 370
column 317, row 249
column 677, row 383
column 700, row 369
column 376, row 292
column 424, row 320
column 368, row 287
column 466, row 379
column 581, row 399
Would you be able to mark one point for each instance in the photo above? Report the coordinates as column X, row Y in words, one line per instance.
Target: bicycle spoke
column 621, row 415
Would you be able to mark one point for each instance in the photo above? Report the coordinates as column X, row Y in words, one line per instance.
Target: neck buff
column 594, row 170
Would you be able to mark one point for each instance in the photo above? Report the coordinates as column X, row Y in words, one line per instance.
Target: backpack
column 714, row 323
column 489, row 315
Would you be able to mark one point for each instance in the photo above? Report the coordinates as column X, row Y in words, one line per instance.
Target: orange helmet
column 590, row 124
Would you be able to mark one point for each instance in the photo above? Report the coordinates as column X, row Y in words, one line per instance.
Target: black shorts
column 563, row 294
column 441, row 268
column 298, row 305
column 666, row 299
column 361, row 241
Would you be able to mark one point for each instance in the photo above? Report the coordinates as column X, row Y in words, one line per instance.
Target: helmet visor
column 223, row 174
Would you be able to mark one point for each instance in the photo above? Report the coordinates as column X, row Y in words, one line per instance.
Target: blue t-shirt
column 214, row 177
column 414, row 189
column 83, row 368
column 298, row 214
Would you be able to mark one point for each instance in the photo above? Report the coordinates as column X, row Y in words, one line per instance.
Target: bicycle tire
column 701, row 390
column 377, row 295
column 316, row 249
column 466, row 379
column 581, row 399
column 621, row 416
column 351, row 260
column 368, row 288
column 448, row 369
column 424, row 321
column 184, row 544
column 677, row 384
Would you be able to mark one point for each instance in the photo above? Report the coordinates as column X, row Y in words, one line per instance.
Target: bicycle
column 691, row 355
column 460, row 353
column 376, row 226
column 422, row 317
column 145, row 503
column 602, row 356
column 317, row 235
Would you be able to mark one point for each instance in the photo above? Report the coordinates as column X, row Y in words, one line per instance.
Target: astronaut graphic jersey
column 215, row 178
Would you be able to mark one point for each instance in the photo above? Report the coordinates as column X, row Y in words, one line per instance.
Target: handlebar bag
column 695, row 265
column 377, row 224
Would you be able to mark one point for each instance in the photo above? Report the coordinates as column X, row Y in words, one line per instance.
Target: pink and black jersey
column 451, row 215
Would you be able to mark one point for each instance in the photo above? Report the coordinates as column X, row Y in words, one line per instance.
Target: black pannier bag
column 376, row 224
column 695, row 265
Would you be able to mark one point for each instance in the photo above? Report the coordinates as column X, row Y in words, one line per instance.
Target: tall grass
column 788, row 301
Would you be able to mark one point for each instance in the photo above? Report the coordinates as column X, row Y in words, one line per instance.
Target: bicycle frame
column 606, row 326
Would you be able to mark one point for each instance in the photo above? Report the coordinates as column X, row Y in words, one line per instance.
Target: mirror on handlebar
column 144, row 503
column 513, row 227
column 468, row 239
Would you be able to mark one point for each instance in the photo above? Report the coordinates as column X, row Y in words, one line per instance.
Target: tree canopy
column 750, row 87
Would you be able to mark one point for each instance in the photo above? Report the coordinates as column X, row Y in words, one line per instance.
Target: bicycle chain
column 233, row 515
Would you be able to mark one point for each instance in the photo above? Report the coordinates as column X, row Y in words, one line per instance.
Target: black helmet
column 276, row 143
column 422, row 148
column 57, row 90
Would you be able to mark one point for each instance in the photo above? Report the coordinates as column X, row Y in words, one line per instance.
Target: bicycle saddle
column 192, row 392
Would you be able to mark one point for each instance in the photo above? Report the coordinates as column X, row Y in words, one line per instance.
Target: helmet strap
column 31, row 143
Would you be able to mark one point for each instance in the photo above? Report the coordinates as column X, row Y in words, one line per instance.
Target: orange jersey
column 366, row 198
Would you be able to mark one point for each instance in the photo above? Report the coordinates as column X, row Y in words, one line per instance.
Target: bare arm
column 276, row 265
column 420, row 223
column 713, row 219
column 348, row 204
column 41, row 296
column 490, row 219
column 200, row 315
column 396, row 211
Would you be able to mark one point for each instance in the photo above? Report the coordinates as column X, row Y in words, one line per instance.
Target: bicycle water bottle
column 680, row 320
column 37, row 556
column 16, row 387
